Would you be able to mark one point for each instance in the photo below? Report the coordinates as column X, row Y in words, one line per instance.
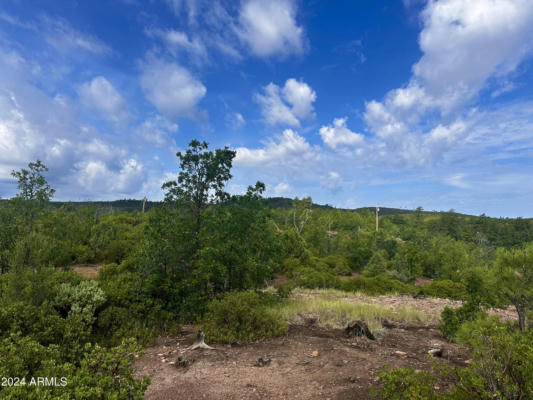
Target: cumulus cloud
column 158, row 131
column 287, row 105
column 172, row 89
column 464, row 45
column 291, row 150
column 338, row 134
column 270, row 28
column 82, row 161
column 101, row 97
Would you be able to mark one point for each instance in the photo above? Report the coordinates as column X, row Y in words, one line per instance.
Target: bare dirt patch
column 308, row 363
column 86, row 270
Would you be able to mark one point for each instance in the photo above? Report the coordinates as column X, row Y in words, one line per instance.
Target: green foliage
column 32, row 184
column 311, row 278
column 378, row 264
column 445, row 289
column 242, row 317
column 515, row 279
column 81, row 300
column 452, row 319
column 405, row 383
column 102, row 373
column 337, row 264
column 502, row 366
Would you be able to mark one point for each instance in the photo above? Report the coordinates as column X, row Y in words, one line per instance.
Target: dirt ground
column 308, row 363
column 86, row 270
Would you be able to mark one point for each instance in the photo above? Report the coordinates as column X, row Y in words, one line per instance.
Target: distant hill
column 132, row 205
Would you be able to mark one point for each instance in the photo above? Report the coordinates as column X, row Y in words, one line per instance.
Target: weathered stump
column 200, row 342
column 359, row 328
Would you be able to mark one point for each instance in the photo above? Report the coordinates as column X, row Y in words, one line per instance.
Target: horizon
column 351, row 105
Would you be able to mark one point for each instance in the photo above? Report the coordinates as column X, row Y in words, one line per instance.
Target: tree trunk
column 521, row 310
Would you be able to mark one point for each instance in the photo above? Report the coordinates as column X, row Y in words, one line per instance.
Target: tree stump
column 200, row 342
column 359, row 328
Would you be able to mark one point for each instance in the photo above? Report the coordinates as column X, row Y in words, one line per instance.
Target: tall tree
column 202, row 178
column 32, row 184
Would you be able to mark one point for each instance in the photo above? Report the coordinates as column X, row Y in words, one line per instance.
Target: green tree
column 202, row 178
column 32, row 184
column 515, row 279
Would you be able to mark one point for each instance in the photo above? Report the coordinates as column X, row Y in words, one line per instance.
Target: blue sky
column 402, row 103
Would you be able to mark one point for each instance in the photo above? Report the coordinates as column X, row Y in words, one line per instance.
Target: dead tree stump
column 359, row 328
column 200, row 342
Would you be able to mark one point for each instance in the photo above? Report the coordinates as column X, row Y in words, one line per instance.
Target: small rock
column 314, row 353
column 435, row 352
column 400, row 353
column 262, row 361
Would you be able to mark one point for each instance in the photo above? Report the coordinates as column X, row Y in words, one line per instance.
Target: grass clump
column 242, row 317
column 335, row 312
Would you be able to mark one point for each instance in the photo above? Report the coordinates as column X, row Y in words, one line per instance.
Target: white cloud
column 101, row 97
column 287, row 105
column 291, row 151
column 95, row 175
column 270, row 28
column 178, row 42
column 64, row 38
column 332, row 181
column 172, row 89
column 157, row 131
column 464, row 45
column 80, row 164
column 457, row 180
column 235, row 120
column 338, row 134
column 282, row 189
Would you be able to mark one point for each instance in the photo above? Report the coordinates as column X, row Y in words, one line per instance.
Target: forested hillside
column 204, row 256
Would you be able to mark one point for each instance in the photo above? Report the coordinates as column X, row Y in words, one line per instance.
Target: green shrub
column 82, row 300
column 452, row 319
column 242, row 317
column 284, row 290
column 102, row 373
column 376, row 286
column 445, row 289
column 312, row 279
column 337, row 264
column 406, row 383
column 502, row 366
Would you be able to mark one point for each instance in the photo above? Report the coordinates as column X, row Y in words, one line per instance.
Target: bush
column 285, row 290
column 82, row 300
column 102, row 373
column 502, row 366
column 338, row 265
column 406, row 383
column 242, row 317
column 453, row 319
column 445, row 289
column 376, row 286
column 312, row 279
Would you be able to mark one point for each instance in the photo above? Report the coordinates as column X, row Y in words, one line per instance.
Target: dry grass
column 335, row 309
